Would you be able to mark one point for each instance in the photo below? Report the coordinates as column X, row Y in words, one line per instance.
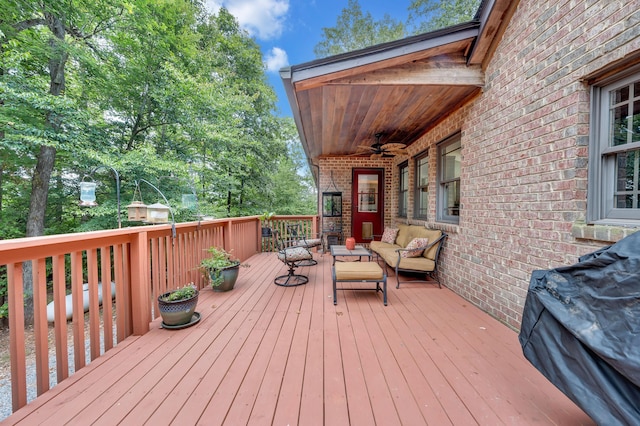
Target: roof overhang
column 401, row 88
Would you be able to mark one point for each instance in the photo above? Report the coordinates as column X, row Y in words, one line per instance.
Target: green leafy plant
column 266, row 216
column 219, row 260
column 182, row 293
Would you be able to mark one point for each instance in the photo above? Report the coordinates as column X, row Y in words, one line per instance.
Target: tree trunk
column 46, row 156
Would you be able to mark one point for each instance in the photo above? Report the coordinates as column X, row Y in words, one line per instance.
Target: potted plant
column 221, row 268
column 264, row 217
column 178, row 306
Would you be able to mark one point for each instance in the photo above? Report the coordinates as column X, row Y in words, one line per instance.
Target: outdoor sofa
column 410, row 248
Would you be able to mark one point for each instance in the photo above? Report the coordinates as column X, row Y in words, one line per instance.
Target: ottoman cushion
column 358, row 271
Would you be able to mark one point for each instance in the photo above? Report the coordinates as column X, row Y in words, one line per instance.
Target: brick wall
column 524, row 152
column 341, row 168
column 525, row 149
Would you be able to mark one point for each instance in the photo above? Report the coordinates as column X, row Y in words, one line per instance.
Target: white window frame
column 602, row 157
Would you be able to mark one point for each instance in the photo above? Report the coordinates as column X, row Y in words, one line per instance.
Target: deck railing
column 143, row 262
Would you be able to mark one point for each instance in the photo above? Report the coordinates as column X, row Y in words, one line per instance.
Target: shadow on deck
column 264, row 354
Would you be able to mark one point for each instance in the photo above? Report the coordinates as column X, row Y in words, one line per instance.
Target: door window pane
column 367, row 193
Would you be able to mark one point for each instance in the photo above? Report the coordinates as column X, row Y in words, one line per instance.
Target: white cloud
column 275, row 59
column 261, row 18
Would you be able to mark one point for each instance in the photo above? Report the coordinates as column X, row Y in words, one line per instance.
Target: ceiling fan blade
column 376, row 156
column 364, row 148
column 392, row 146
column 398, row 151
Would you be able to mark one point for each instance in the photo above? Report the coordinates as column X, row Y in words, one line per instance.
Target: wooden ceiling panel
column 353, row 114
column 401, row 97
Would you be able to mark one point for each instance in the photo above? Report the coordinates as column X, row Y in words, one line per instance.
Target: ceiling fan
column 380, row 150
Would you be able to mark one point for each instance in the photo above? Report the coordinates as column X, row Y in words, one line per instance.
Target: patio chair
column 297, row 238
column 293, row 257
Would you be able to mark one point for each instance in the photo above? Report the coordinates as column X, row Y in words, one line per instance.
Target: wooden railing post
column 140, row 292
column 228, row 245
column 16, row 336
column 314, row 226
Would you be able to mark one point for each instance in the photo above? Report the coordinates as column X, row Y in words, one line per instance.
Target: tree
column 243, row 140
column 156, row 89
column 430, row 15
column 50, row 31
column 57, row 29
column 356, row 30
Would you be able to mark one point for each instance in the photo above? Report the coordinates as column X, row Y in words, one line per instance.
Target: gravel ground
column 5, row 363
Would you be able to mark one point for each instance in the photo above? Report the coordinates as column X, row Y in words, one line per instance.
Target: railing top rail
column 28, row 248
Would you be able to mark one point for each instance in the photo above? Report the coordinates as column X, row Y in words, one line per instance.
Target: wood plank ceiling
column 401, row 97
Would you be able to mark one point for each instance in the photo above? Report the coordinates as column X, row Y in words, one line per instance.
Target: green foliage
column 158, row 90
column 356, row 30
column 430, row 15
column 182, row 293
column 4, row 307
column 219, row 260
column 266, row 216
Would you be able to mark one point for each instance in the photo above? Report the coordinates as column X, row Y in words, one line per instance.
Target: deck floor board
column 269, row 355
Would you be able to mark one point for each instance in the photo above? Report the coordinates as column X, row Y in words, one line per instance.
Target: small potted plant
column 221, row 268
column 178, row 306
column 264, row 217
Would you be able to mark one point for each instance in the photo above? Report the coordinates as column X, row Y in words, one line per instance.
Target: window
column 422, row 187
column 448, row 197
column 614, row 166
column 403, row 191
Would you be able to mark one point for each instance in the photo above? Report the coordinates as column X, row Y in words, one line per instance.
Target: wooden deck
column 264, row 354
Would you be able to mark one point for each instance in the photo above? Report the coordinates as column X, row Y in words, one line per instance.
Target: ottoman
column 359, row 272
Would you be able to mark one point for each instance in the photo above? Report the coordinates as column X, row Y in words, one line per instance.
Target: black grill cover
column 581, row 329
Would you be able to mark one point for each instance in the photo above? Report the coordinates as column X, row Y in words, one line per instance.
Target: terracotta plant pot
column 351, row 243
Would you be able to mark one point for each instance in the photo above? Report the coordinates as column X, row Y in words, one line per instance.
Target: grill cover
column 581, row 329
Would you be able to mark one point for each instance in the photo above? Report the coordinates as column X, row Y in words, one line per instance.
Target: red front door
column 367, row 201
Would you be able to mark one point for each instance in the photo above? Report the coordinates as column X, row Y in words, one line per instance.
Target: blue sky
column 288, row 30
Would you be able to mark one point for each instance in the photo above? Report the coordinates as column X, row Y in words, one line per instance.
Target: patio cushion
column 313, row 242
column 404, row 235
column 293, row 254
column 379, row 245
column 389, row 235
column 415, row 247
column 358, row 271
column 432, row 234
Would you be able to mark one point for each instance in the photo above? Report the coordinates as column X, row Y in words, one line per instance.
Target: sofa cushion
column 415, row 247
column 422, row 264
column 377, row 246
column 417, row 264
column 432, row 234
column 389, row 235
column 404, row 235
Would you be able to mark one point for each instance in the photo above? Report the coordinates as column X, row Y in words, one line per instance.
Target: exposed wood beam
column 336, row 71
column 427, row 74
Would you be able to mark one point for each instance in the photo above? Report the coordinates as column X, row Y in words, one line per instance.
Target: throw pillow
column 389, row 235
column 415, row 247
